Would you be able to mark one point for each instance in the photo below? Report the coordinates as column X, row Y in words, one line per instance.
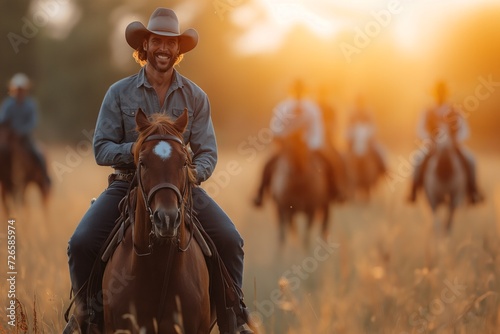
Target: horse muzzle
column 166, row 223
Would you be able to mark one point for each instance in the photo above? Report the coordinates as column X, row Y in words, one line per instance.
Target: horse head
column 164, row 173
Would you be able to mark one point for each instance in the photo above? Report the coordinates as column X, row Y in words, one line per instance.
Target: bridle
column 183, row 198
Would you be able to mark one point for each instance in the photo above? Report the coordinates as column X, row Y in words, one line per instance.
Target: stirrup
column 243, row 328
column 72, row 327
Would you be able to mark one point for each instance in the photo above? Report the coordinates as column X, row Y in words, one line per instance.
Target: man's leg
column 87, row 240
column 469, row 163
column 418, row 176
column 267, row 174
column 325, row 158
column 224, row 235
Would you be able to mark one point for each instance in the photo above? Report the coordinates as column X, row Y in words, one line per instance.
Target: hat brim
column 136, row 32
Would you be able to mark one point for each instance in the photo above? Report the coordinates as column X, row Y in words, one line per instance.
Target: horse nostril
column 160, row 217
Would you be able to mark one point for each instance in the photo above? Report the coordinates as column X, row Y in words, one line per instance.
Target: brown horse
column 19, row 169
column 363, row 164
column 444, row 178
column 168, row 276
column 299, row 185
column 6, row 182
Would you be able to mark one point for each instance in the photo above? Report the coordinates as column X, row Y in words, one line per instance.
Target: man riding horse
column 429, row 128
column 361, row 116
column 298, row 114
column 157, row 87
column 20, row 113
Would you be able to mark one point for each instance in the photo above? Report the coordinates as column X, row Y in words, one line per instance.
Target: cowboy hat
column 162, row 22
column 19, row 81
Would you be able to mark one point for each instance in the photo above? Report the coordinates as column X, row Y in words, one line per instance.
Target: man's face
column 19, row 93
column 162, row 52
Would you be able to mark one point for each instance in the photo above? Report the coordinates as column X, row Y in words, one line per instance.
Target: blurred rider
column 443, row 113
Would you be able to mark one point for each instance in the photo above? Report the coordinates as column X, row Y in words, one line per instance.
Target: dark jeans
column 99, row 220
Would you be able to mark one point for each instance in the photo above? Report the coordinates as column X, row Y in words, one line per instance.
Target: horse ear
column 141, row 120
column 181, row 122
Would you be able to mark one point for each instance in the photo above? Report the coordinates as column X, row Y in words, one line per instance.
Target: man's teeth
column 163, row 57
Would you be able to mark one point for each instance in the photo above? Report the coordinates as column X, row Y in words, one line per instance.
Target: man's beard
column 158, row 61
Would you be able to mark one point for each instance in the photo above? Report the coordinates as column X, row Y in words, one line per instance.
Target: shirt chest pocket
column 128, row 116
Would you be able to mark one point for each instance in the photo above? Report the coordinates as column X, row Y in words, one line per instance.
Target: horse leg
column 451, row 213
column 282, row 221
column 307, row 232
column 324, row 223
column 436, row 223
column 3, row 194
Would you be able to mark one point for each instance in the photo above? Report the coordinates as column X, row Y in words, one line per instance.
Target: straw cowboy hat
column 162, row 22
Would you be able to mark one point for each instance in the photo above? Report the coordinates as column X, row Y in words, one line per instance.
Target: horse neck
column 298, row 153
column 445, row 147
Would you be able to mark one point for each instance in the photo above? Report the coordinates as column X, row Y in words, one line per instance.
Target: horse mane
column 161, row 124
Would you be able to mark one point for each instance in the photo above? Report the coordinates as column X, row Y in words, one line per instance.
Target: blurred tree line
column 73, row 70
column 72, row 74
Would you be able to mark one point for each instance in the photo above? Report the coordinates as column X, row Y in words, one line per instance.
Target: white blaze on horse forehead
column 163, row 150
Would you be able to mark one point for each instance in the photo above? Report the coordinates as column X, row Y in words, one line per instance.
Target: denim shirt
column 115, row 129
column 21, row 116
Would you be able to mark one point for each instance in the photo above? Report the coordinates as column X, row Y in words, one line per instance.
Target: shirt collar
column 143, row 81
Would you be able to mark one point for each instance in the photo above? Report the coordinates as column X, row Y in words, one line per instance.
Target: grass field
column 380, row 271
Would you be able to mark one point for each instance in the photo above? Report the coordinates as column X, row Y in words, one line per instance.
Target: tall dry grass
column 385, row 273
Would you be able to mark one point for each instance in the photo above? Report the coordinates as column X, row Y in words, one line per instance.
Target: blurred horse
column 300, row 184
column 444, row 177
column 20, row 168
column 364, row 164
column 169, row 275
column 6, row 182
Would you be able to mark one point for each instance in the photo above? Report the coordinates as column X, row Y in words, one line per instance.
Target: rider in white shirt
column 297, row 113
column 361, row 116
column 294, row 114
column 444, row 113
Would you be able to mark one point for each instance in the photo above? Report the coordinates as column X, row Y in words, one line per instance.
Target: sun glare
column 266, row 23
